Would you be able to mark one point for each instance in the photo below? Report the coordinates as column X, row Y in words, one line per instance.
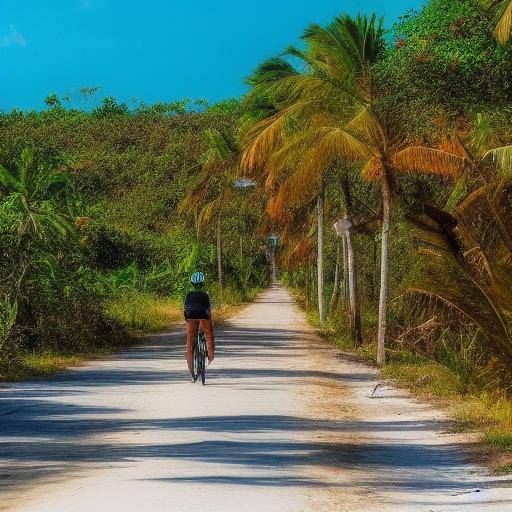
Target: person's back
column 198, row 314
column 197, row 305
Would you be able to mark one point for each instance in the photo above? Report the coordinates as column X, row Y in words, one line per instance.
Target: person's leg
column 207, row 327
column 192, row 328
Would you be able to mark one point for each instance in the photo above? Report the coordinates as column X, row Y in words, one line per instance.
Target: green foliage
column 90, row 238
column 445, row 66
column 110, row 107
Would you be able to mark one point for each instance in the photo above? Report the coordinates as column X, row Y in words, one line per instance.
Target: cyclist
column 197, row 310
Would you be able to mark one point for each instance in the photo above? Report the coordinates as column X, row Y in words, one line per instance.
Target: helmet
column 197, row 278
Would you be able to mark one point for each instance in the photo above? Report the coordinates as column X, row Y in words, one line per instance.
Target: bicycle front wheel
column 196, row 363
column 203, row 369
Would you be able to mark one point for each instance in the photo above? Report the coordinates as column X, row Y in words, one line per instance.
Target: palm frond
column 271, row 70
column 428, row 160
column 262, row 139
column 503, row 28
column 502, row 157
column 368, row 127
column 8, row 181
column 372, row 170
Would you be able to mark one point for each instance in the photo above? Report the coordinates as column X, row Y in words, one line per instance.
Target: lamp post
column 272, row 242
column 343, row 226
column 243, row 184
column 344, row 229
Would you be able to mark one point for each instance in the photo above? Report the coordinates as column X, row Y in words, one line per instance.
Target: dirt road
column 284, row 424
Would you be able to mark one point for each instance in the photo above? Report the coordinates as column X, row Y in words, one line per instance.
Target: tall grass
column 144, row 312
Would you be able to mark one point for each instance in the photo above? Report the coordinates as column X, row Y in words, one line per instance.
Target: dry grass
column 139, row 313
column 43, row 364
column 489, row 414
column 144, row 312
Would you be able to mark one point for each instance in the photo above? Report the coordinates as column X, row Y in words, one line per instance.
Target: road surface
column 284, row 424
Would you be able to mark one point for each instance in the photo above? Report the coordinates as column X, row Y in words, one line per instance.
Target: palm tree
column 35, row 193
column 467, row 268
column 362, row 41
column 262, row 106
column 332, row 113
column 38, row 197
column 213, row 189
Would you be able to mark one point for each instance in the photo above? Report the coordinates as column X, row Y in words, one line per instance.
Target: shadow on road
column 42, row 431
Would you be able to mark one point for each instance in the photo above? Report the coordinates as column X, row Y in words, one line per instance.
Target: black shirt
column 197, row 305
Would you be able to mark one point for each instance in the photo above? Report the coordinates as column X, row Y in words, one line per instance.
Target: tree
column 362, row 40
column 466, row 269
column 334, row 109
column 213, row 189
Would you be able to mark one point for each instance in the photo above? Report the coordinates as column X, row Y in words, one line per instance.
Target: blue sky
column 154, row 50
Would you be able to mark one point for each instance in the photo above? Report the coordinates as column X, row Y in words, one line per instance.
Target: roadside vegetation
column 93, row 248
column 399, row 137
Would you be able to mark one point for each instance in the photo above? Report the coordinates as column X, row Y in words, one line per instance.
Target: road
column 285, row 423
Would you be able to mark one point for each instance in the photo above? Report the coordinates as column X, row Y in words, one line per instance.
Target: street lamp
column 244, row 183
column 343, row 226
column 273, row 241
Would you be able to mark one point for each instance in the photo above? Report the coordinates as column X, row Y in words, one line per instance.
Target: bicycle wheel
column 196, row 362
column 203, row 355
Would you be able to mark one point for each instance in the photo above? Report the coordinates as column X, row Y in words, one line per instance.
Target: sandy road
column 284, row 424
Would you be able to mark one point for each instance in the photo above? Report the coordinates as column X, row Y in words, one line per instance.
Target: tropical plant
column 468, row 269
column 503, row 29
column 39, row 195
column 357, row 43
column 213, row 188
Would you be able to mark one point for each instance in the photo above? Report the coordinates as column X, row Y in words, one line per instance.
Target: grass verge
column 138, row 313
column 473, row 409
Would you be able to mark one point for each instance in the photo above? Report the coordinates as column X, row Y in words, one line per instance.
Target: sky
column 153, row 50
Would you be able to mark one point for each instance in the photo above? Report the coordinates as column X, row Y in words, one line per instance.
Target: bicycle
column 200, row 356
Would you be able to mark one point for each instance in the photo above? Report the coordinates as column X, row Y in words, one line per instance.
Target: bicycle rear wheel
column 203, row 355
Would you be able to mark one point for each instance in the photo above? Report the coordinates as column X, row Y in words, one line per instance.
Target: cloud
column 13, row 38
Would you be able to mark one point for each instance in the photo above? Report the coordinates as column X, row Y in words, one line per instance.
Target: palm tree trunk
column 354, row 299
column 219, row 256
column 307, row 278
column 336, row 287
column 384, row 268
column 345, row 270
column 320, row 256
column 374, row 268
column 353, row 291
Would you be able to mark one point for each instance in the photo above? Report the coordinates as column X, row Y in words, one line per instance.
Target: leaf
column 428, row 160
column 336, row 143
column 504, row 26
column 262, row 139
column 372, row 170
column 502, row 157
column 26, row 163
column 271, row 70
column 9, row 181
column 367, row 126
